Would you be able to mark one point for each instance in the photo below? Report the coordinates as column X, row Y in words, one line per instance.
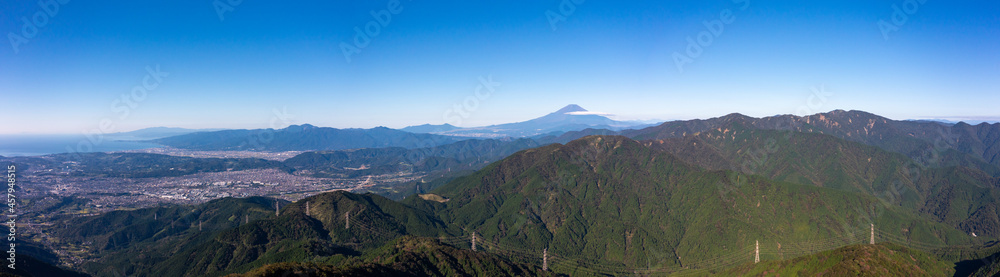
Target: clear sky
column 232, row 64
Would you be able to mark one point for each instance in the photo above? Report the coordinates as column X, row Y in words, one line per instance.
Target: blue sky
column 260, row 57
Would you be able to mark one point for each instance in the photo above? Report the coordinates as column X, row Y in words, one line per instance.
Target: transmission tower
column 756, row 252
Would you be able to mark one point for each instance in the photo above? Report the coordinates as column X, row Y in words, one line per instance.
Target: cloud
column 589, row 113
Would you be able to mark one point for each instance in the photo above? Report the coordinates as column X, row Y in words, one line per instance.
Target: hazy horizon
column 968, row 120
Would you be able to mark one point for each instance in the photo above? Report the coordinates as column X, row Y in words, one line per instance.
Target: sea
column 37, row 145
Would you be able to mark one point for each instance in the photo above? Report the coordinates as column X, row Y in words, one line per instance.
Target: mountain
column 569, row 118
column 319, row 235
column 303, row 138
column 429, row 129
column 638, row 207
column 131, row 242
column 926, row 142
column 959, row 193
column 311, row 138
column 155, row 133
column 233, row 235
column 410, row 256
column 564, row 137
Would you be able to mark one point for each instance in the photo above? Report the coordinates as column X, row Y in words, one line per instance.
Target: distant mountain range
column 972, row 121
column 569, row 118
column 922, row 141
column 428, row 128
column 572, row 122
column 304, row 138
column 155, row 133
column 311, row 138
column 912, row 138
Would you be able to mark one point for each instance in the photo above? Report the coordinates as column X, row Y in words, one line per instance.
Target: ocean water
column 36, row 145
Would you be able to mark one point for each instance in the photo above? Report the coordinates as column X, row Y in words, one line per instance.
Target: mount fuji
column 570, row 118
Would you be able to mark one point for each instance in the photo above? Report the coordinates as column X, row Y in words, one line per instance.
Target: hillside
column 564, row 137
column 34, row 260
column 882, row 259
column 958, row 193
column 131, row 242
column 409, row 256
column 30, row 267
column 637, row 207
column 295, row 236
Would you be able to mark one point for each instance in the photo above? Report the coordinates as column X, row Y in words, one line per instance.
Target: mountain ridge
column 562, row 120
column 924, row 141
column 303, row 138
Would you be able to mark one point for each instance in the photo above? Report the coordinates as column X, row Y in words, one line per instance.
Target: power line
column 788, row 250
